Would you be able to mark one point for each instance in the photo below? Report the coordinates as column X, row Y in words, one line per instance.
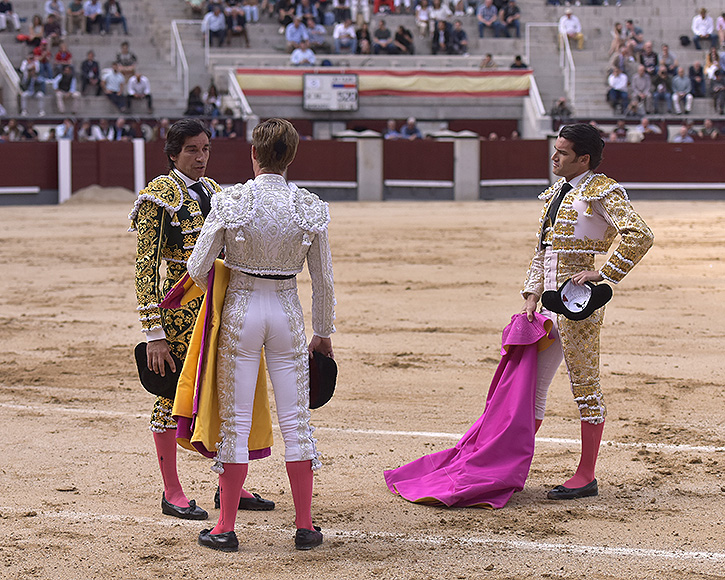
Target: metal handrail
column 178, row 55
column 569, row 70
column 536, row 98
column 11, row 76
column 236, row 93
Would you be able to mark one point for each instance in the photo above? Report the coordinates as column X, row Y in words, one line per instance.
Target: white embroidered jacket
column 269, row 227
column 590, row 217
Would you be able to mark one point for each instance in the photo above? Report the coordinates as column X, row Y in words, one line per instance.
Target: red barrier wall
column 514, row 159
column 421, row 160
column 28, row 164
column 325, row 160
column 115, row 164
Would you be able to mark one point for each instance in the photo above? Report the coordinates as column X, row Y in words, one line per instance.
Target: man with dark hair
column 582, row 214
column 168, row 216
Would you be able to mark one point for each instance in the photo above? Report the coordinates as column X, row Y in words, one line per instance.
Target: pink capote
column 493, row 458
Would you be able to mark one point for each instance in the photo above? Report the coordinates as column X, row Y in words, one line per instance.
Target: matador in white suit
column 267, row 228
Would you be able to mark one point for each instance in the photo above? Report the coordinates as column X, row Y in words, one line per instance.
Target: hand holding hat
column 579, row 300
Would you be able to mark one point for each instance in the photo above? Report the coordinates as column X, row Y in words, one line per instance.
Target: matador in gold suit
column 168, row 216
column 582, row 215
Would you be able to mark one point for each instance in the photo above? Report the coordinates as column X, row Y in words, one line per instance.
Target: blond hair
column 275, row 141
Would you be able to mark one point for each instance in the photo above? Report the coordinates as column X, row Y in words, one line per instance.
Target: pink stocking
column 591, row 438
column 166, row 452
column 230, row 486
column 300, row 479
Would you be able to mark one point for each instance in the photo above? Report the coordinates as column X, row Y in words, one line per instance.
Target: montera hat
column 576, row 302
column 156, row 384
column 323, row 377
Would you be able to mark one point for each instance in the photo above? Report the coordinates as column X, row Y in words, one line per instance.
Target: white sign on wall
column 330, row 92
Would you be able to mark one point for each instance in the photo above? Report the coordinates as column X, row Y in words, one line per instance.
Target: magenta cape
column 493, row 458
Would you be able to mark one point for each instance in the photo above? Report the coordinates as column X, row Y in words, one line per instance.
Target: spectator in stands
column 229, row 131
column 614, row 137
column 318, row 36
column 634, row 33
column 30, row 62
column 122, row 131
column 646, row 128
column 112, row 14
column 625, row 60
column 90, row 74
column 364, row 40
column 391, row 131
column 139, row 89
column 487, row 63
column 8, row 15
column 55, row 7
column 441, row 38
column 12, row 131
column 161, row 130
column 561, row 110
column 32, row 85
column 52, row 31
column 30, row 133
column 403, row 6
column 251, row 10
column 718, row 91
column 708, row 131
column 65, row 130
column 303, row 55
column 305, row 9
column 618, row 38
column 35, row 31
column 510, row 17
column 681, row 91
column 410, row 130
column 422, row 18
column 642, row 90
column 621, row 130
column 102, row 131
column 571, row 27
column 697, row 79
column 84, row 131
column 344, row 37
column 703, row 28
column 720, row 29
column 237, row 23
column 669, row 60
column 487, row 18
column 65, row 87
column 126, row 61
column 459, row 39
column 403, row 40
column 93, row 11
column 75, row 21
column 44, row 58
column 683, row 135
column 194, row 103
column 112, row 85
column 518, row 63
column 360, row 7
column 341, row 11
column 212, row 101
column 617, row 95
column 662, row 92
column 712, row 62
column 285, row 14
column 439, row 11
column 648, row 57
column 62, row 57
column 295, row 33
column 383, row 40
column 214, row 24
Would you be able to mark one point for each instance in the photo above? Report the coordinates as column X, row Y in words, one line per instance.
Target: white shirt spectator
column 138, row 86
column 57, row 8
column 114, row 81
column 569, row 24
column 440, row 13
column 92, row 8
column 98, row 133
column 702, row 26
column 617, row 82
column 214, row 22
column 342, row 31
column 302, row 56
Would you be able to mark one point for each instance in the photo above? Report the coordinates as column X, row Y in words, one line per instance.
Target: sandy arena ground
column 423, row 292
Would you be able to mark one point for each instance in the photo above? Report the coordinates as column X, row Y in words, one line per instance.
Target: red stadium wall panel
column 115, row 164
column 85, row 164
column 230, row 161
column 156, row 162
column 515, row 159
column 421, row 160
column 30, row 164
column 325, row 161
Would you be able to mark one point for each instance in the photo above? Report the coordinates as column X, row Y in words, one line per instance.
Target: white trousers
column 263, row 313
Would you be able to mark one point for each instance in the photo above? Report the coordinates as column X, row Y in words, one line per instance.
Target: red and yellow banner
column 259, row 82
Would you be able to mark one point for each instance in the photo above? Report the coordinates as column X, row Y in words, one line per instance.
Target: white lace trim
column 146, row 330
column 147, row 307
column 147, row 318
column 623, row 259
column 145, row 196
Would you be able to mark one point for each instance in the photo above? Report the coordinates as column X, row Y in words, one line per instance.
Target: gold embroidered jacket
column 168, row 221
column 590, row 217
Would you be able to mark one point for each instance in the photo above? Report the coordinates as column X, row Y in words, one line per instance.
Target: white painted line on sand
column 513, row 544
column 425, row 434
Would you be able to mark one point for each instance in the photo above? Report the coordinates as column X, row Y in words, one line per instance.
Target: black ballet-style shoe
column 307, row 539
column 193, row 512
column 255, row 504
column 560, row 492
column 226, row 542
